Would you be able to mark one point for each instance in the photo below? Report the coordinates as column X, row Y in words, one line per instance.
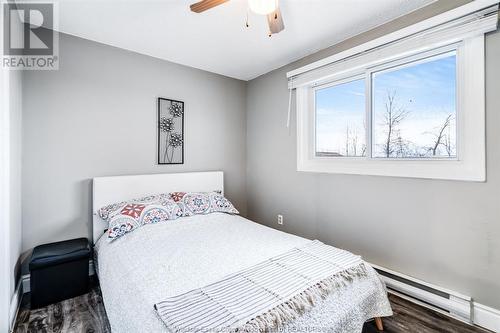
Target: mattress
column 166, row 259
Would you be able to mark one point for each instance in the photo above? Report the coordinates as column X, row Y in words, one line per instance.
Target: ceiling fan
column 269, row 8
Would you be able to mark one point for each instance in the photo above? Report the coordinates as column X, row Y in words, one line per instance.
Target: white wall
column 15, row 103
column 10, row 189
column 10, row 198
column 4, row 202
column 10, row 184
column 96, row 116
column 443, row 232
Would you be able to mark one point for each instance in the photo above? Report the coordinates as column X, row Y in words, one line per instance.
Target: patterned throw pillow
column 195, row 203
column 125, row 216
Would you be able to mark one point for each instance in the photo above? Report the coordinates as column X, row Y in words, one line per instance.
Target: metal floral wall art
column 170, row 131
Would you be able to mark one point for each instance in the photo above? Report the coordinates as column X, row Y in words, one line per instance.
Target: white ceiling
column 217, row 40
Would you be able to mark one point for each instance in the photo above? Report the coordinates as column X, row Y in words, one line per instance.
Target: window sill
column 426, row 169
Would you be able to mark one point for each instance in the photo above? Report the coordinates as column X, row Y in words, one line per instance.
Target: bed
column 163, row 260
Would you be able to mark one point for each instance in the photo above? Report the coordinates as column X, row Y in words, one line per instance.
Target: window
column 412, row 108
column 414, row 112
column 340, row 120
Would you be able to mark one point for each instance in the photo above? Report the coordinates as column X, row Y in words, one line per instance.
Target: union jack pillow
column 126, row 216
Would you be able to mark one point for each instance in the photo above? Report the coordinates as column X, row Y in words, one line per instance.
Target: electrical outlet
column 280, row 219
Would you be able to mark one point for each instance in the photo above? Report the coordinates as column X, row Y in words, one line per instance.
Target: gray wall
column 96, row 116
column 443, row 232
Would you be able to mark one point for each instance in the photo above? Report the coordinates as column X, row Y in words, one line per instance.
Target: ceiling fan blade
column 203, row 5
column 275, row 21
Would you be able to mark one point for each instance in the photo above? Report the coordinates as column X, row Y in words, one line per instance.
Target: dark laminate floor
column 409, row 317
column 86, row 314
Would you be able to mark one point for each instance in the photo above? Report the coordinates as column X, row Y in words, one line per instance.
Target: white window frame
column 470, row 162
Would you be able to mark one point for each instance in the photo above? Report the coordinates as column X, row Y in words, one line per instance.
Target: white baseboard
column 26, row 277
column 458, row 306
column 487, row 317
column 15, row 302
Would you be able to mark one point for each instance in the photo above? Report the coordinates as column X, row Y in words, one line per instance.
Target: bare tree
column 363, row 150
column 352, row 142
column 441, row 138
column 347, row 139
column 363, row 146
column 401, row 146
column 353, row 146
column 394, row 114
column 448, row 143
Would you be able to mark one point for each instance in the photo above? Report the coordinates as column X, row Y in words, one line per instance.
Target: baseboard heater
column 439, row 299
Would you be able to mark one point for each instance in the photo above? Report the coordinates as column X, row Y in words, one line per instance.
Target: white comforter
column 166, row 259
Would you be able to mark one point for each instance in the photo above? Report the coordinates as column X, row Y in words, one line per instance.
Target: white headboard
column 108, row 190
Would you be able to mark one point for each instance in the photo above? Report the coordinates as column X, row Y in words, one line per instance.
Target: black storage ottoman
column 59, row 271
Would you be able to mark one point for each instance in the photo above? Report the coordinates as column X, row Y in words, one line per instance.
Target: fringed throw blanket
column 264, row 296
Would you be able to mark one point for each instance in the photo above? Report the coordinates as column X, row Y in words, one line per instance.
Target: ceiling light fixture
column 262, row 7
column 268, row 8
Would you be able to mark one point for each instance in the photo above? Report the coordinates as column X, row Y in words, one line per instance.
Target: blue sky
column 337, row 108
column 426, row 90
